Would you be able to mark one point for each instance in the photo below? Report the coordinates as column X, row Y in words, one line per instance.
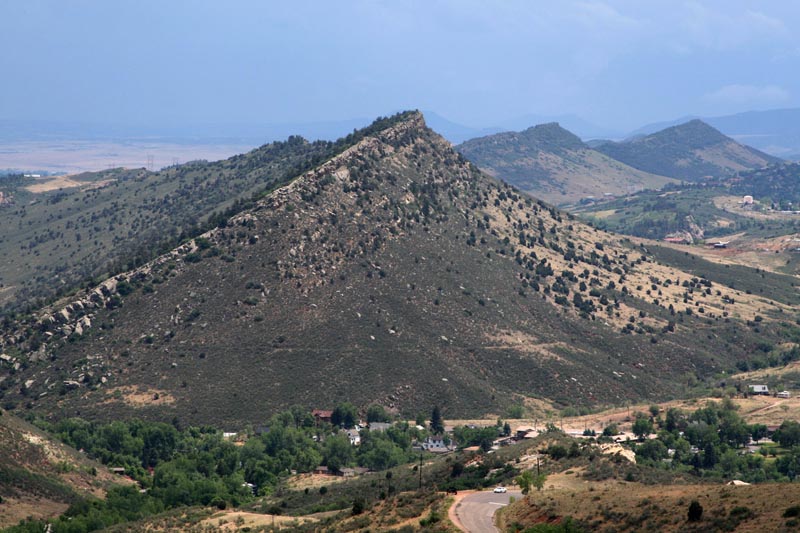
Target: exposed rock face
column 394, row 272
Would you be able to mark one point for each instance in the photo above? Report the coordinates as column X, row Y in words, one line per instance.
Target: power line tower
column 150, row 162
column 174, row 161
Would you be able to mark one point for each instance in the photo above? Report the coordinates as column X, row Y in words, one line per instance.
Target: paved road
column 476, row 511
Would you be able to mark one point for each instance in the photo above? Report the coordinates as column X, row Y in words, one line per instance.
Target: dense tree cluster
column 710, row 442
column 198, row 466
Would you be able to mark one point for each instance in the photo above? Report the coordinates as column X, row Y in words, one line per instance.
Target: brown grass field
column 615, row 505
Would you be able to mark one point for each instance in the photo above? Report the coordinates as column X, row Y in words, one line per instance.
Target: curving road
column 476, row 511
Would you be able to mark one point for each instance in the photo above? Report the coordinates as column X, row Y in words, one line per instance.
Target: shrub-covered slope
column 551, row 163
column 394, row 273
column 689, row 152
column 53, row 239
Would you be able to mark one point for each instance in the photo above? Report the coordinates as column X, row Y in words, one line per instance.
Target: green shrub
column 792, row 511
column 695, row 512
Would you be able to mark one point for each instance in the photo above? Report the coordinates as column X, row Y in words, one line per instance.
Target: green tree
column 788, row 434
column 437, row 422
column 376, row 413
column 654, row 450
column 338, row 452
column 525, row 481
column 758, row 432
column 610, row 430
column 344, row 415
column 642, row 427
column 674, row 419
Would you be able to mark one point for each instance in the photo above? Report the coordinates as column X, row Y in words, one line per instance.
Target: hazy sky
column 616, row 63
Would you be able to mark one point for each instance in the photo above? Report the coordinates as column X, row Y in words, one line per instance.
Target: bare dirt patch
column 139, row 397
column 312, row 481
column 15, row 509
column 525, row 343
column 236, row 520
column 53, row 184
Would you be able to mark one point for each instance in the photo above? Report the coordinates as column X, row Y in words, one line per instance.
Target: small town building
column 758, row 389
column 523, row 431
column 354, row 436
column 436, row 444
column 321, row 415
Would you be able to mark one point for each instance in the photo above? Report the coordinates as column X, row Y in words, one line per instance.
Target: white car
column 500, row 489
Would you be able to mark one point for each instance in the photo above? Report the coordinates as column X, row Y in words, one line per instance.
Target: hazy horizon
column 617, row 64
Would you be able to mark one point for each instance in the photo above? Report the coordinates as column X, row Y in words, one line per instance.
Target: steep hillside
column 57, row 232
column 689, row 152
column 394, row 273
column 40, row 477
column 551, row 163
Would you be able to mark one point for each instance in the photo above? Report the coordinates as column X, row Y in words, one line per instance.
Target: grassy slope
column 616, row 505
column 40, row 477
column 394, row 274
column 772, row 286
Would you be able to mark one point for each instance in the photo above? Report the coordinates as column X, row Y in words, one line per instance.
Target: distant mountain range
column 262, row 132
column 776, row 131
column 458, row 133
column 554, row 164
column 690, row 151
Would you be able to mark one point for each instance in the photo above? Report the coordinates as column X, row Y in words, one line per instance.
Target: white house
column 354, row 436
column 435, row 443
column 758, row 389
